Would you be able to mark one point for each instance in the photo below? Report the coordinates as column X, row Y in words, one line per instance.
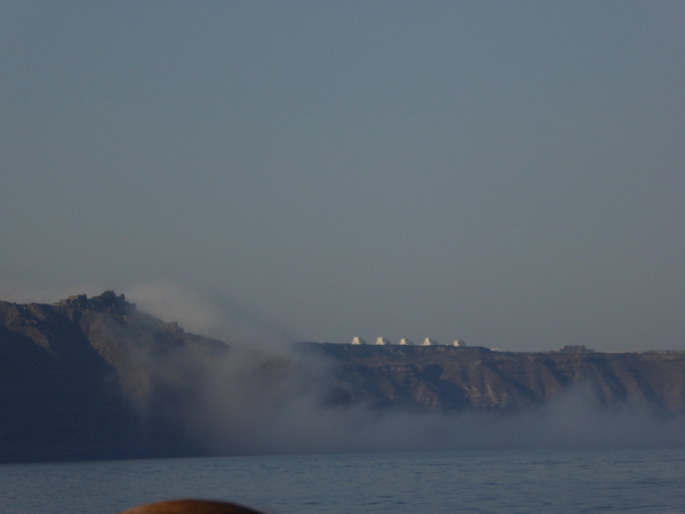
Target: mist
column 263, row 397
column 306, row 429
column 210, row 313
column 259, row 403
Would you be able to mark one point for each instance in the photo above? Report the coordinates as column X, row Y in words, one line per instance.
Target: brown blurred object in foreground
column 191, row 507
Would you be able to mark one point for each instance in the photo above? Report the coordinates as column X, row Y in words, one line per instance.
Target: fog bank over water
column 264, row 397
column 255, row 402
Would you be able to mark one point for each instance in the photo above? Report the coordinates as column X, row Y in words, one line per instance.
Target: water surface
column 642, row 480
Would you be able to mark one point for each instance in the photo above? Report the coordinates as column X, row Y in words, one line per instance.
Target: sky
column 509, row 174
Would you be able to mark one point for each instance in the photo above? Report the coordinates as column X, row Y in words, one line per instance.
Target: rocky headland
column 88, row 378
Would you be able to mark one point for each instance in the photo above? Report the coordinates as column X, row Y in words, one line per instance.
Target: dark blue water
column 642, row 480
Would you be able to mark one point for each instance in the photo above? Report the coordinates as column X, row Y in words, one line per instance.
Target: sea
column 514, row 481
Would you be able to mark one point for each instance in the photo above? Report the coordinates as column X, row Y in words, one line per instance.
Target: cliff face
column 95, row 378
column 79, row 379
column 443, row 378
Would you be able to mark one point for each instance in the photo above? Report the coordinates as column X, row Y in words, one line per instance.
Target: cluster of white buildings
column 405, row 342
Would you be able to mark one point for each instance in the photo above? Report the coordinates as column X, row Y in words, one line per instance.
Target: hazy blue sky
column 507, row 173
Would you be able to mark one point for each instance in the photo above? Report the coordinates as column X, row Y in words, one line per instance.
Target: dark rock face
column 93, row 377
column 443, row 378
column 74, row 383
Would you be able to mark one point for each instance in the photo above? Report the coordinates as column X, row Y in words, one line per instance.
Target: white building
column 382, row 340
column 358, row 340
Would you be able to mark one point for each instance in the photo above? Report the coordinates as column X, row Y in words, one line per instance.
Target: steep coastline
column 445, row 378
column 88, row 378
column 78, row 379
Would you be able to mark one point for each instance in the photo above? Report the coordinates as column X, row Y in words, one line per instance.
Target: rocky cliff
column 445, row 378
column 96, row 378
column 81, row 379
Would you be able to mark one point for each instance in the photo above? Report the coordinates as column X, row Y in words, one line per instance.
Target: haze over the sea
column 505, row 173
